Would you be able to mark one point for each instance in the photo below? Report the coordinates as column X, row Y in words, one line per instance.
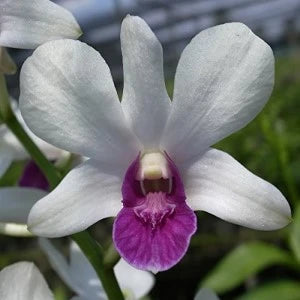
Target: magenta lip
column 153, row 230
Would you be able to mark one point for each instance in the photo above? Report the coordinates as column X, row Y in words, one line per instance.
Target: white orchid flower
column 151, row 153
column 11, row 149
column 81, row 278
column 23, row 280
column 27, row 24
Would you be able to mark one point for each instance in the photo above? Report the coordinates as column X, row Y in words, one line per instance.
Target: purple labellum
column 153, row 229
column 33, row 177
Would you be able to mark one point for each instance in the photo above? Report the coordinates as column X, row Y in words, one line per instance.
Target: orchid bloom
column 27, row 24
column 150, row 161
column 81, row 278
column 24, row 281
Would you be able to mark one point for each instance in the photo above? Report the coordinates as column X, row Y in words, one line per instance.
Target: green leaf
column 278, row 290
column 243, row 262
column 295, row 234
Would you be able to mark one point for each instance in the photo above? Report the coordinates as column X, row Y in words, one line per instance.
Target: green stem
column 111, row 256
column 43, row 163
column 5, row 110
column 95, row 255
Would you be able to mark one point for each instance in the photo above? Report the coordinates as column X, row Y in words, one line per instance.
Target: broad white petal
column 145, row 100
column 89, row 193
column 135, row 281
column 24, row 281
column 5, row 159
column 218, row 184
column 16, row 202
column 206, row 294
column 68, row 86
column 26, row 24
column 223, row 80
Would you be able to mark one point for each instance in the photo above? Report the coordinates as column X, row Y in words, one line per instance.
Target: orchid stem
column 43, row 163
column 111, row 256
column 95, row 255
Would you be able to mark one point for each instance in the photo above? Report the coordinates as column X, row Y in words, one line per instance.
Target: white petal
column 218, row 184
column 206, row 294
column 145, row 100
column 23, row 281
column 5, row 159
column 90, row 192
column 135, row 281
column 26, row 24
column 16, row 202
column 58, row 263
column 223, row 79
column 68, row 86
column 84, row 275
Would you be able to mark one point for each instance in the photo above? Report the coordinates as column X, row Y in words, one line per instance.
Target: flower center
column 155, row 181
column 154, row 209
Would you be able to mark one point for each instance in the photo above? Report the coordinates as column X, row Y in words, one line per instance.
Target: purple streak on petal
column 153, row 232
column 33, row 177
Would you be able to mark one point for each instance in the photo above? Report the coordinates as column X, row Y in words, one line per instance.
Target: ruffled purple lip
column 153, row 229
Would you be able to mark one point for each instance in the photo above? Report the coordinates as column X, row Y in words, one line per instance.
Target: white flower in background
column 81, row 278
column 23, row 281
column 152, row 154
column 11, row 149
column 26, row 24
column 16, row 202
column 78, row 274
